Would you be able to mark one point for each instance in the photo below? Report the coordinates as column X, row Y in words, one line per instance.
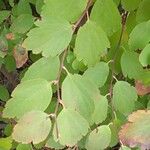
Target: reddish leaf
column 20, row 55
column 137, row 131
column 141, row 88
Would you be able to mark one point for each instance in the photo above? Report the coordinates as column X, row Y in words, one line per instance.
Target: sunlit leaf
column 30, row 95
column 34, row 127
column 56, row 35
column 5, row 143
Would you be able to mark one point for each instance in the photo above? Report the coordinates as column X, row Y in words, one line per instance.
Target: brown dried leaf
column 137, row 131
column 141, row 88
column 20, row 55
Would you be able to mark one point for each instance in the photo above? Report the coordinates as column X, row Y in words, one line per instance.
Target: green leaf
column 70, row 13
column 143, row 12
column 34, row 127
column 131, row 22
column 10, row 63
column 100, row 112
column 56, row 35
column 5, row 143
column 4, row 15
column 99, row 139
column 144, row 57
column 4, row 95
column 130, row 65
column 85, row 48
column 139, row 36
column 79, row 94
column 22, row 23
column 39, row 5
column 23, row 7
column 136, row 133
column 103, row 13
column 44, row 68
column 29, row 95
column 24, row 147
column 98, row 74
column 130, row 5
column 124, row 97
column 76, row 127
column 51, row 143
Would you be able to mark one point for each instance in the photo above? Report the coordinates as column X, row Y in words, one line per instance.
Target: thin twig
column 124, row 17
column 59, row 101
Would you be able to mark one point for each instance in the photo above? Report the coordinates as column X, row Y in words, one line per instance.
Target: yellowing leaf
column 33, row 127
column 141, row 89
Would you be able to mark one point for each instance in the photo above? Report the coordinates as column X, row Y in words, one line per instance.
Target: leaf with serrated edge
column 76, row 127
column 136, row 131
column 33, row 127
column 50, row 37
column 29, row 95
column 85, row 48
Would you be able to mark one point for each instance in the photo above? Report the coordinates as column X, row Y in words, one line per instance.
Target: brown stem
column 59, row 101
